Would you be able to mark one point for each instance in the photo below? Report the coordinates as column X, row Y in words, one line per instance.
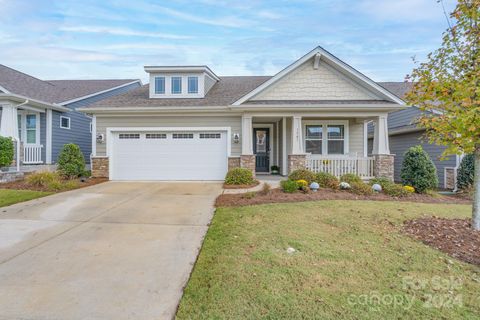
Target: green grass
column 347, row 251
column 9, row 197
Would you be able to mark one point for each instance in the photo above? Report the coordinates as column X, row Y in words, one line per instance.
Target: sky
column 86, row 39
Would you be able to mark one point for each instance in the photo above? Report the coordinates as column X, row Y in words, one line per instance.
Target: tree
column 447, row 88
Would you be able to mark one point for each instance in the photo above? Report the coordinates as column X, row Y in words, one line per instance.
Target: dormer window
column 159, row 85
column 176, row 85
column 192, row 84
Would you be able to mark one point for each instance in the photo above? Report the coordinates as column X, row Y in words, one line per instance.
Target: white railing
column 32, row 154
column 361, row 166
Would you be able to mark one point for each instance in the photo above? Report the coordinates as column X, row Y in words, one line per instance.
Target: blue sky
column 63, row 39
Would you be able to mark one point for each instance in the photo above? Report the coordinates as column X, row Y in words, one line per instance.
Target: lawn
column 8, row 196
column 352, row 262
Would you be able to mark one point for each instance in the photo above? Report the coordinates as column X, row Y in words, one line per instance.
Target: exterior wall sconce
column 236, row 138
column 100, row 138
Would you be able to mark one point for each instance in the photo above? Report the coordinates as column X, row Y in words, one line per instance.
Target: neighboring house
column 404, row 133
column 41, row 116
column 190, row 124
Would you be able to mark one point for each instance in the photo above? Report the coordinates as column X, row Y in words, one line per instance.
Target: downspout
column 18, row 140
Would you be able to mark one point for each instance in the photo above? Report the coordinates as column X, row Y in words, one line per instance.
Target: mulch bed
column 241, row 186
column 22, row 185
column 455, row 237
column 278, row 196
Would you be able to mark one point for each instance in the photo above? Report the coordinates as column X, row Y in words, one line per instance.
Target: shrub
column 238, row 176
column 418, row 170
column 327, row 180
column 42, row 179
column 382, row 181
column 302, row 174
column 409, row 189
column 361, row 188
column 6, row 151
column 395, row 190
column 302, row 183
column 289, row 186
column 351, row 178
column 466, row 172
column 70, row 161
column 265, row 189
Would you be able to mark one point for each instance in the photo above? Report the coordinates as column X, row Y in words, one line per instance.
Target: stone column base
column 233, row 162
column 296, row 161
column 248, row 161
column 100, row 167
column 383, row 166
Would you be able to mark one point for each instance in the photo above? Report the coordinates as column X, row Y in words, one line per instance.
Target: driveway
column 118, row 250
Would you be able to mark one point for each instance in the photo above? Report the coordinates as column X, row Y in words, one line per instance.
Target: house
column 190, row 124
column 40, row 114
column 404, row 133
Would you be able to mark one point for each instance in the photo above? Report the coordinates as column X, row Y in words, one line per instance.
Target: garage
column 168, row 155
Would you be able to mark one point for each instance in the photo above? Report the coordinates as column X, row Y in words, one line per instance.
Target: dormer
column 180, row 81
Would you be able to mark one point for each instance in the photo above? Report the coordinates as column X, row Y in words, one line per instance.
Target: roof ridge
column 26, row 74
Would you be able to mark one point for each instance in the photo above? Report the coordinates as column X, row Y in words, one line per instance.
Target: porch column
column 48, row 140
column 297, row 158
column 9, row 122
column 384, row 165
column 247, row 158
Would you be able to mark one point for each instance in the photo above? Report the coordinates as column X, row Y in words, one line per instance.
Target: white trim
column 337, row 62
column 365, row 138
column 277, row 137
column 94, row 136
column 324, row 124
column 33, row 102
column 270, row 144
column 99, row 92
column 48, row 144
column 69, row 122
column 284, row 146
column 181, row 69
column 111, row 130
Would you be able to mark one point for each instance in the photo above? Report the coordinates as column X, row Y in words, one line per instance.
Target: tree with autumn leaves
column 447, row 88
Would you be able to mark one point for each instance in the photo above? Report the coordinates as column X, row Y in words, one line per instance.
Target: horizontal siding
column 104, row 122
column 91, row 100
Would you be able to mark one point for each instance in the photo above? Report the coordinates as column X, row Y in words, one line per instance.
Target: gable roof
column 54, row 91
column 320, row 53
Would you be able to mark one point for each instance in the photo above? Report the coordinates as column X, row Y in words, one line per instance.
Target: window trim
column 325, row 124
column 164, row 85
column 188, row 84
column 174, row 78
column 69, row 122
column 23, row 114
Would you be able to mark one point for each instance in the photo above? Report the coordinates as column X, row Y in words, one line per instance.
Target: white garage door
column 169, row 155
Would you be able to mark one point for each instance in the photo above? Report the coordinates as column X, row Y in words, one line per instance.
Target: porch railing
column 32, row 154
column 361, row 166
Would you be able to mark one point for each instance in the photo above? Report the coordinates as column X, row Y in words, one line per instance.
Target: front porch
column 321, row 143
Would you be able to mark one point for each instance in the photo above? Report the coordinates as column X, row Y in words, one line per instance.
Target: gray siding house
column 40, row 115
column 404, row 133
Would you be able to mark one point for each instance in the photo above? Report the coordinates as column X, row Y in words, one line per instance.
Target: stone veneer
column 450, row 178
column 383, row 166
column 296, row 161
column 100, row 167
column 233, row 162
column 248, row 161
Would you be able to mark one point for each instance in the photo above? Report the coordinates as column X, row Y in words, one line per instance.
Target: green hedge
column 239, row 176
column 418, row 170
column 466, row 172
column 70, row 161
column 6, row 151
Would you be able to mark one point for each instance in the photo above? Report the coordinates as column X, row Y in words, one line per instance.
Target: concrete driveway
column 118, row 250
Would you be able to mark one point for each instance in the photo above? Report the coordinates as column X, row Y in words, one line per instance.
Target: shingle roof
column 52, row 91
column 397, row 88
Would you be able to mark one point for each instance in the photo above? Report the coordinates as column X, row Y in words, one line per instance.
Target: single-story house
column 40, row 114
column 404, row 133
column 190, row 124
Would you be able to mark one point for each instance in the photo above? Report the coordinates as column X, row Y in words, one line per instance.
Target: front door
column 261, row 149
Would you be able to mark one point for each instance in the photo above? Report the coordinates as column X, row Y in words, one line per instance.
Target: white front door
column 169, row 155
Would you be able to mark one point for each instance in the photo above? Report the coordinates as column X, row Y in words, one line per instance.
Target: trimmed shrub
column 302, row 174
column 70, row 161
column 289, row 186
column 239, row 176
column 418, row 170
column 351, row 178
column 395, row 190
column 6, row 151
column 361, row 188
column 327, row 180
column 466, row 172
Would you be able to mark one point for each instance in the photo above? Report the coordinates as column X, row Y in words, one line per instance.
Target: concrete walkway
column 116, row 250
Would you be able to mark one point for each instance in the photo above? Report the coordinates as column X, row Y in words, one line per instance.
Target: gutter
column 34, row 102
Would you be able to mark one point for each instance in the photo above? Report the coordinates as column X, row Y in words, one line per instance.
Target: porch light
column 236, row 137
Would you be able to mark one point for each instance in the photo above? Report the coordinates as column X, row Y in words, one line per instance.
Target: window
column 19, row 119
column 156, row 136
column 313, row 139
column 336, row 139
column 64, row 122
column 31, row 128
column 192, row 84
column 159, row 85
column 129, row 135
column 210, row 135
column 182, row 136
column 176, row 85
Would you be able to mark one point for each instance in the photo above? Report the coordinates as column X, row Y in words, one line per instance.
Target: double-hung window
column 176, row 85
column 192, row 84
column 31, row 128
column 325, row 138
column 313, row 139
column 159, row 85
column 336, row 139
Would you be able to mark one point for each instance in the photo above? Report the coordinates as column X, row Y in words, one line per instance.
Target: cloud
column 267, row 14
column 121, row 32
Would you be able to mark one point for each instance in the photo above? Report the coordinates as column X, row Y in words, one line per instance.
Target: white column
column 48, row 144
column 94, row 135
column 380, row 138
column 297, row 140
column 9, row 122
column 247, row 139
